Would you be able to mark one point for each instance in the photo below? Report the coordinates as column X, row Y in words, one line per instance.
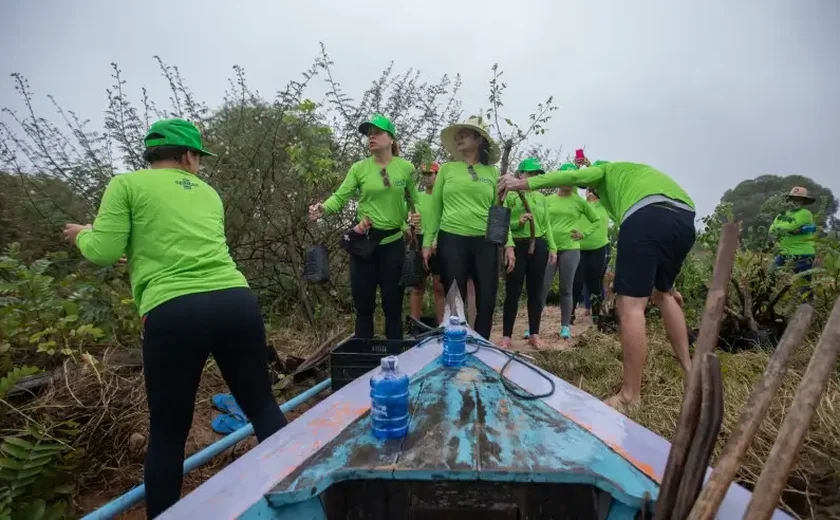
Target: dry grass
column 594, row 365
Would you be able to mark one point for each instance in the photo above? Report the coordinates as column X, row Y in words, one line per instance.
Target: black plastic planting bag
column 412, row 271
column 317, row 267
column 498, row 225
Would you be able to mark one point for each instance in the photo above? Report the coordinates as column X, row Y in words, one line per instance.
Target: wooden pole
column 707, row 340
column 751, row 418
column 791, row 435
column 705, row 436
column 532, row 245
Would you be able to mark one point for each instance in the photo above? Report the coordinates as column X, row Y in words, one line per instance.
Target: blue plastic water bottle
column 454, row 343
column 389, row 401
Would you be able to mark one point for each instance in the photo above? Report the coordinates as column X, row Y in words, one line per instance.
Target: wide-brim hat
column 477, row 124
column 798, row 192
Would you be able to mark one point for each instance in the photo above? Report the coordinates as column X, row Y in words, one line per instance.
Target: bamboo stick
column 751, row 418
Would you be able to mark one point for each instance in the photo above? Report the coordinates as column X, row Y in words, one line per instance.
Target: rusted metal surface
column 791, row 435
column 706, row 506
column 707, row 340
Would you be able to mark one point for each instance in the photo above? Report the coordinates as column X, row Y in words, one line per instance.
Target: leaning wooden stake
column 532, row 244
column 707, row 340
column 751, row 418
column 705, row 437
column 785, row 450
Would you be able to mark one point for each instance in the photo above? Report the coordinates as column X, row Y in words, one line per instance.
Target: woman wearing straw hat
column 795, row 230
column 381, row 181
column 464, row 191
column 567, row 211
column 529, row 268
column 193, row 300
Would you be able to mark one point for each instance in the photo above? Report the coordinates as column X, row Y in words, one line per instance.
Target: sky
column 711, row 93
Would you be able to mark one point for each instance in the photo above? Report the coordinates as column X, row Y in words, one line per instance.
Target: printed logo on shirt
column 186, row 184
column 400, row 183
column 491, row 182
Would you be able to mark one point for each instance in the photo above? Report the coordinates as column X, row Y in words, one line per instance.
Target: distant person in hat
column 530, row 267
column 428, row 174
column 193, row 300
column 380, row 183
column 656, row 218
column 795, row 229
column 464, row 191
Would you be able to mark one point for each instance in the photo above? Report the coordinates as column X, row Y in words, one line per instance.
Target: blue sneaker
column 565, row 332
column 527, row 334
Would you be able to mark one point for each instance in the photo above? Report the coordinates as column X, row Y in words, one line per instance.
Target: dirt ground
column 549, row 330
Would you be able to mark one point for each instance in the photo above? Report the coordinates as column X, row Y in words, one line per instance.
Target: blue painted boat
column 475, row 449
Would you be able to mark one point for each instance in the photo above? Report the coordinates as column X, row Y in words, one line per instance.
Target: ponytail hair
column 395, row 148
column 484, row 151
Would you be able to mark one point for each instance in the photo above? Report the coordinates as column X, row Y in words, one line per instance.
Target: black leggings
column 462, row 258
column 590, row 272
column 384, row 270
column 531, row 269
column 178, row 335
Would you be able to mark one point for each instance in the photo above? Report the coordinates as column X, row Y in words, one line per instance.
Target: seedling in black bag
column 412, row 271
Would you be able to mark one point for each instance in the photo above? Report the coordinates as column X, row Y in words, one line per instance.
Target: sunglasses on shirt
column 385, row 179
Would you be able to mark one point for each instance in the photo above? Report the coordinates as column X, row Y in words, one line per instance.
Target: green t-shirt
column 170, row 225
column 384, row 205
column 598, row 237
column 789, row 221
column 536, row 201
column 566, row 215
column 620, row 185
column 424, row 204
column 460, row 205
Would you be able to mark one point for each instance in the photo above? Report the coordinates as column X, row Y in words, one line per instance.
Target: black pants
column 178, row 336
column 384, row 270
column 531, row 270
column 462, row 258
column 590, row 272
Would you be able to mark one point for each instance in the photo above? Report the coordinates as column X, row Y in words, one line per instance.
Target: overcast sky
column 710, row 92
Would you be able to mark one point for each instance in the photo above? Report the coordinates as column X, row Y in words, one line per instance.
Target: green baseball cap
column 530, row 165
column 379, row 121
column 568, row 166
column 599, row 163
column 175, row 132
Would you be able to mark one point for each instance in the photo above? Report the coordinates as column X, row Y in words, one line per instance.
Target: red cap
column 434, row 167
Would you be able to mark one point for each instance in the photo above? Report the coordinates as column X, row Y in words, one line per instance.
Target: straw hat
column 477, row 124
column 798, row 192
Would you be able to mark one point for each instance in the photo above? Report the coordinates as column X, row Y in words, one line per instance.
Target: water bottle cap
column 454, row 320
column 389, row 363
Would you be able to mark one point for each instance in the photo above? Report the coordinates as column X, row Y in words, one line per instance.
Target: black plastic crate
column 356, row 357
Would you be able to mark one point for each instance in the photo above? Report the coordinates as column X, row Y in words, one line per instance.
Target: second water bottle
column 454, row 343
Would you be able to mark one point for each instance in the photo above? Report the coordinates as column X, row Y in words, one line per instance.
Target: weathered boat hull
column 468, row 439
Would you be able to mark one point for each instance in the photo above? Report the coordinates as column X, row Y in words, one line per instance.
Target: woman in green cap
column 194, row 302
column 383, row 181
column 572, row 220
column 464, row 191
column 594, row 257
column 529, row 267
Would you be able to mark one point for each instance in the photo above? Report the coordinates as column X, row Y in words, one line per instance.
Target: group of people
column 654, row 214
column 194, row 302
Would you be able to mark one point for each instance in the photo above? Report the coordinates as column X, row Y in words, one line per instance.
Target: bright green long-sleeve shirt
column 598, row 237
column 460, row 205
column 170, row 225
column 620, row 185
column 566, row 214
column 794, row 244
column 384, row 205
column 424, row 204
column 536, row 201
